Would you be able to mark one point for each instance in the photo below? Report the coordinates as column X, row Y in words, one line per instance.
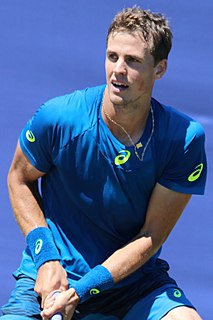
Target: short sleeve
column 35, row 140
column 186, row 169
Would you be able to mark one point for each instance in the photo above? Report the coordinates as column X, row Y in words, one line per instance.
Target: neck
column 124, row 120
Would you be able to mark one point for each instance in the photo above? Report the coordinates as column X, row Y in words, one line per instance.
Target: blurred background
column 52, row 47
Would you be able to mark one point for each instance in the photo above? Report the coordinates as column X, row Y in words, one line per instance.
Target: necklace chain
column 139, row 144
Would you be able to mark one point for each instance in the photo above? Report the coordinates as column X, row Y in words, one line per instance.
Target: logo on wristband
column 38, row 246
column 94, row 291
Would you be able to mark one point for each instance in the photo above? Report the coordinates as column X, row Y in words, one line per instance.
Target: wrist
column 94, row 283
column 42, row 246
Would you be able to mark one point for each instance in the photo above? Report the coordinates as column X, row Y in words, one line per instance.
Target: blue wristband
column 93, row 283
column 42, row 247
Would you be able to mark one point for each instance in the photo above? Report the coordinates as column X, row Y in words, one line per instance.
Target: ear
column 160, row 69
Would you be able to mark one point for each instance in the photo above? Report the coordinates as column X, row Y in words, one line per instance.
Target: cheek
column 145, row 83
column 142, row 85
column 108, row 68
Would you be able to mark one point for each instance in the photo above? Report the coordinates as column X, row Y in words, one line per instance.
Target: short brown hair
column 154, row 28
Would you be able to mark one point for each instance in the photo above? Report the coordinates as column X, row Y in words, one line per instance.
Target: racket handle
column 58, row 315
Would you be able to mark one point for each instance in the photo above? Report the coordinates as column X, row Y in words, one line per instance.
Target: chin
column 116, row 100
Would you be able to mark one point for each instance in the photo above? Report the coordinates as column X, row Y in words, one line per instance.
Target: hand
column 51, row 276
column 65, row 303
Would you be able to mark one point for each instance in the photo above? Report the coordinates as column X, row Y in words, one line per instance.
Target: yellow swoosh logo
column 196, row 174
column 122, row 157
column 30, row 136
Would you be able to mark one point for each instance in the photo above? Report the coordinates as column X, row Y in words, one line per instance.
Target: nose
column 120, row 67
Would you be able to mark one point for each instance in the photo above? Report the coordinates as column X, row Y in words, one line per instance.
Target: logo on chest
column 122, row 158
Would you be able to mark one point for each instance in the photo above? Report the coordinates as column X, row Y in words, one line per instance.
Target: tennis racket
column 58, row 315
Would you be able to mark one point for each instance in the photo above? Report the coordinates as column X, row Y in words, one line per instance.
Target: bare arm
column 27, row 206
column 24, row 195
column 165, row 208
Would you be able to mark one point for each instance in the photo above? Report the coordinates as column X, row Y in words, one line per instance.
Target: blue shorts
column 24, row 304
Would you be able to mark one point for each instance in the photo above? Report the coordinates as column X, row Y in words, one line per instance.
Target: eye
column 131, row 59
column 112, row 56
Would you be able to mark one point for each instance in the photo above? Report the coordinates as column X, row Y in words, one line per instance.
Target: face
column 130, row 71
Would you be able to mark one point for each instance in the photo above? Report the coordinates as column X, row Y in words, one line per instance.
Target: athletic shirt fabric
column 93, row 204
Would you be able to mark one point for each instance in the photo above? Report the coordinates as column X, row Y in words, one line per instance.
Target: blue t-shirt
column 96, row 191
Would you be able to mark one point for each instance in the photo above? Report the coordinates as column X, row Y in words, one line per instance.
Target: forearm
column 165, row 208
column 118, row 266
column 131, row 257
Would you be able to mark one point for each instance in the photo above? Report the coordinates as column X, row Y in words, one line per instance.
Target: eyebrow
column 135, row 57
column 127, row 55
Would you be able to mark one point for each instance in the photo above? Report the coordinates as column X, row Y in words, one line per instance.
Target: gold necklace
column 139, row 144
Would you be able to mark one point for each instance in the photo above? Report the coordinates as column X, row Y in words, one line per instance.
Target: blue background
column 52, row 47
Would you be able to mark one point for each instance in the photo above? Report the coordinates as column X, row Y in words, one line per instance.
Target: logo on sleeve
column 177, row 293
column 30, row 136
column 196, row 174
column 122, row 157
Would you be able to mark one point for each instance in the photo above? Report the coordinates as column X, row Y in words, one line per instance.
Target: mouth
column 119, row 85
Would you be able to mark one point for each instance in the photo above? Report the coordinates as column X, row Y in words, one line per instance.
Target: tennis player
column 117, row 169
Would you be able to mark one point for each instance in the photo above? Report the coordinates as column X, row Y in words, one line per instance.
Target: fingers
column 50, row 297
column 49, row 301
column 48, row 312
column 50, row 306
column 51, row 276
column 64, row 303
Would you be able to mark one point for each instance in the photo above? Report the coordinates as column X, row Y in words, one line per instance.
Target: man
column 117, row 169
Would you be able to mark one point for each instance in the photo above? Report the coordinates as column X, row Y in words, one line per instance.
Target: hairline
column 134, row 33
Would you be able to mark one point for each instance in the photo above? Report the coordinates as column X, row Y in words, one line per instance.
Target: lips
column 119, row 85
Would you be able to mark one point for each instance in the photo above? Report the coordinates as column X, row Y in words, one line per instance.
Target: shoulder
column 76, row 110
column 183, row 160
column 58, row 122
column 176, row 124
column 66, row 116
column 73, row 103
